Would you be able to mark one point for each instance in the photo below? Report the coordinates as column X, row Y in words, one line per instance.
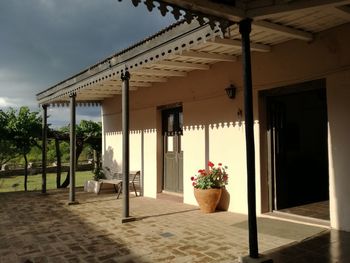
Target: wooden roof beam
column 98, row 95
column 208, row 56
column 342, row 11
column 91, row 97
column 159, row 72
column 182, row 65
column 283, row 30
column 285, row 7
column 92, row 91
column 133, row 84
column 147, row 78
column 238, row 45
column 101, row 91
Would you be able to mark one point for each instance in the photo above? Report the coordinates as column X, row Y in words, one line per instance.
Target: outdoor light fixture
column 231, row 91
column 239, row 114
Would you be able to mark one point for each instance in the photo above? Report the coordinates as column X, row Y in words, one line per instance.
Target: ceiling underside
column 196, row 50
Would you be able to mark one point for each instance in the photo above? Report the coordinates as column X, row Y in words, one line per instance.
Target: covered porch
column 36, row 228
column 189, row 65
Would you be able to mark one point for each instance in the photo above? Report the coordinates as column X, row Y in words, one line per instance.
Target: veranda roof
column 183, row 47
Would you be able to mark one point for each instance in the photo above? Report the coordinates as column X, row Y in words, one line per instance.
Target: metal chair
column 135, row 181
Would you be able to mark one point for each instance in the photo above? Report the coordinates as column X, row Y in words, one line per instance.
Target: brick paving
column 43, row 228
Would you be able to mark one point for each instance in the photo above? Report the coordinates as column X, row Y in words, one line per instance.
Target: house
column 180, row 116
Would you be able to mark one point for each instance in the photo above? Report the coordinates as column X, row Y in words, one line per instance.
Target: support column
column 245, row 29
column 44, row 148
column 126, row 167
column 72, row 162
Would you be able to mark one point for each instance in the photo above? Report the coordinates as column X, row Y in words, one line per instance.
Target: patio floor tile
column 43, row 228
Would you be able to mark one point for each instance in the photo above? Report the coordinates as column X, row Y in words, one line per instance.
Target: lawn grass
column 16, row 183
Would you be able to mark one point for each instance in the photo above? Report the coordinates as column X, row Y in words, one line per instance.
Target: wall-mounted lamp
column 239, row 117
column 231, row 91
column 239, row 114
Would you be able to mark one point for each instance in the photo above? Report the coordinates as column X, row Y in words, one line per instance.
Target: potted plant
column 94, row 184
column 98, row 173
column 208, row 186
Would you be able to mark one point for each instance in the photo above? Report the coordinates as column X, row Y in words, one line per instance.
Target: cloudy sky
column 43, row 42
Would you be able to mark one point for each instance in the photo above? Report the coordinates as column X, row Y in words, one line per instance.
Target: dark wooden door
column 276, row 133
column 173, row 154
column 297, row 135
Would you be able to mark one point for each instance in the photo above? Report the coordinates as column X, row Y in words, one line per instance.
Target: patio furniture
column 117, row 184
column 135, row 181
column 116, row 180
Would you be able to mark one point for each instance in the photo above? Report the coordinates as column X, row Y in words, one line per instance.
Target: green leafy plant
column 98, row 173
column 214, row 177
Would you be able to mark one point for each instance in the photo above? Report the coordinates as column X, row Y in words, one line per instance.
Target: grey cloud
column 46, row 41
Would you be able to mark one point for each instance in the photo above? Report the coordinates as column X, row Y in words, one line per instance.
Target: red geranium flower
column 214, row 177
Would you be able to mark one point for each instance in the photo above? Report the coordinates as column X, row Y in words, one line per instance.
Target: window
column 172, row 121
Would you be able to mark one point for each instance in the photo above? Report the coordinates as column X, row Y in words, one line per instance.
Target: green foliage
column 90, row 132
column 7, row 151
column 51, row 151
column 35, row 154
column 87, row 153
column 21, row 134
column 64, row 146
column 25, row 129
column 7, row 147
column 98, row 173
column 215, row 177
column 89, row 129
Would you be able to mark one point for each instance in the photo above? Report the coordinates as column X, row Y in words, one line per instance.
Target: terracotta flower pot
column 224, row 202
column 207, row 199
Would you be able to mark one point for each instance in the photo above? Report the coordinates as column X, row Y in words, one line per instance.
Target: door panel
column 173, row 156
column 276, row 133
column 298, row 154
column 170, row 169
column 180, row 170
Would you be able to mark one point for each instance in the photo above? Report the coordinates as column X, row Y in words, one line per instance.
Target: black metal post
column 245, row 29
column 72, row 151
column 44, row 148
column 125, row 123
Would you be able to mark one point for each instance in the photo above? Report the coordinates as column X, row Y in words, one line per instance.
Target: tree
column 87, row 132
column 92, row 135
column 25, row 131
column 7, row 148
column 59, row 151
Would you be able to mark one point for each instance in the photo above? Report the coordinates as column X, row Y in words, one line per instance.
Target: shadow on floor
column 328, row 247
column 283, row 229
column 42, row 228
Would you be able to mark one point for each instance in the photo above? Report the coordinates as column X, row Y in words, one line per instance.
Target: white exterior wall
column 143, row 143
column 150, row 163
column 338, row 98
column 193, row 158
column 112, row 157
column 227, row 145
column 206, row 108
